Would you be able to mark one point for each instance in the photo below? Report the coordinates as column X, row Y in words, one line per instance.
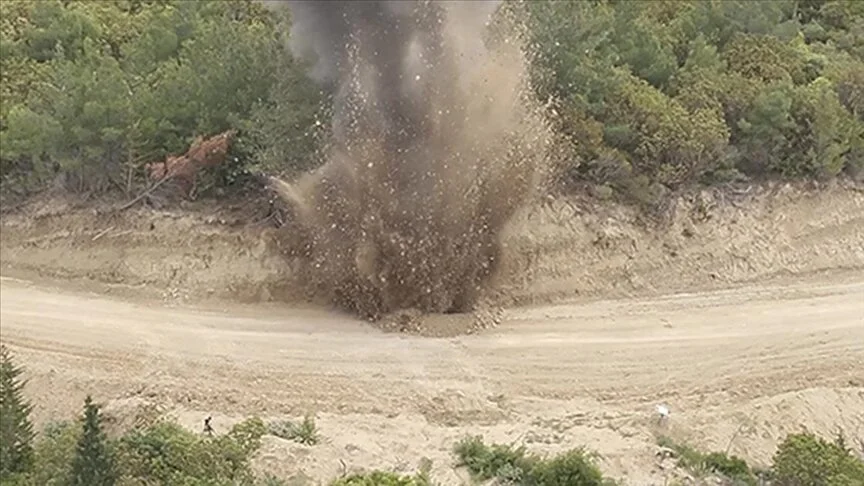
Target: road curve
column 689, row 350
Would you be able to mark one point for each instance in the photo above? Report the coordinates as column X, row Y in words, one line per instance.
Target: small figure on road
column 207, row 428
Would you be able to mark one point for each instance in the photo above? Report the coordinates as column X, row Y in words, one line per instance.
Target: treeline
column 657, row 94
column 648, row 96
column 94, row 90
column 80, row 453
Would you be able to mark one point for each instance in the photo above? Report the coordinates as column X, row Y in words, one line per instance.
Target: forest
column 646, row 97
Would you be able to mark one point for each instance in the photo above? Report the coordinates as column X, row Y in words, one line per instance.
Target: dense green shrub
column 170, row 455
column 305, row 432
column 514, row 465
column 569, row 468
column 55, row 451
column 731, row 468
column 165, row 454
column 805, row 459
column 486, row 462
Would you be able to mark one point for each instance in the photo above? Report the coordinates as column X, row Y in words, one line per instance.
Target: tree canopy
column 649, row 96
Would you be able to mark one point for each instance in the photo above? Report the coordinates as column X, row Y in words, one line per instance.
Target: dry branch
column 202, row 154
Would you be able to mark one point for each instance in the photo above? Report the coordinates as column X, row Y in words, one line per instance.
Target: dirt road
column 753, row 363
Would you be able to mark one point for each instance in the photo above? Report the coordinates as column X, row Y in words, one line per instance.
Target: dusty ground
column 745, row 317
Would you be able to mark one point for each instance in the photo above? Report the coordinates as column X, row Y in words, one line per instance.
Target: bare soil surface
column 767, row 359
column 747, row 331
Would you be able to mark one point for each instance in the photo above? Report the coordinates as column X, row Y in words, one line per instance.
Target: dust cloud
column 436, row 143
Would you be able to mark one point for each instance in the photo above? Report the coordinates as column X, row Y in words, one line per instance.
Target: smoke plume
column 436, row 143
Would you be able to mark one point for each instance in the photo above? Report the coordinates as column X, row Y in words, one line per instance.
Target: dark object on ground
column 208, row 429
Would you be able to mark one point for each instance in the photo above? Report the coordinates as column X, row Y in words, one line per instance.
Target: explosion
column 437, row 141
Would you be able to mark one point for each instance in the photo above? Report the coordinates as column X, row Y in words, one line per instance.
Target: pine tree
column 16, row 430
column 93, row 464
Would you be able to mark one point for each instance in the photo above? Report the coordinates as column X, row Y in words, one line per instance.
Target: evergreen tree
column 93, row 464
column 16, row 430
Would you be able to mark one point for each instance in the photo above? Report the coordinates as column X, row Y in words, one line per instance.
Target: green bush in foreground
column 804, row 459
column 801, row 460
column 16, row 430
column 731, row 468
column 94, row 463
column 171, row 455
column 515, row 466
column 569, row 468
column 487, row 462
column 54, row 452
column 306, row 432
column 380, row 478
column 164, row 454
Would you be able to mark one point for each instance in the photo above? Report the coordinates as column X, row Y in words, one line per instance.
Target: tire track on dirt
column 587, row 373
